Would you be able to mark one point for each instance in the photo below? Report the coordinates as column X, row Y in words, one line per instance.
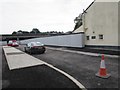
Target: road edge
column 84, row 53
column 67, row 75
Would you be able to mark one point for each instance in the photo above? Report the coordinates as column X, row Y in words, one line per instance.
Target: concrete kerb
column 17, row 59
column 85, row 53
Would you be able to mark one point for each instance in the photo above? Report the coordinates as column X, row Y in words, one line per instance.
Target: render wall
column 119, row 23
column 102, row 18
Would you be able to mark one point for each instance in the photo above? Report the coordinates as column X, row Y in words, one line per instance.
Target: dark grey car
column 35, row 47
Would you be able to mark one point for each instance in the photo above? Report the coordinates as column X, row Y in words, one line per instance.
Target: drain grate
column 14, row 53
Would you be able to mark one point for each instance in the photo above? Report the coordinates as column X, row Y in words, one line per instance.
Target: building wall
column 119, row 23
column 102, row 18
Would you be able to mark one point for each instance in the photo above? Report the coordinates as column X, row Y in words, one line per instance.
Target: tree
column 19, row 32
column 35, row 30
column 25, row 32
column 14, row 33
column 69, row 32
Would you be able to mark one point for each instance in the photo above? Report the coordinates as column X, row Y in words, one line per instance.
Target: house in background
column 100, row 24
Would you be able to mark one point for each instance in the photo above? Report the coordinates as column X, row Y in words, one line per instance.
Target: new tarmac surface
column 40, row 76
column 81, row 67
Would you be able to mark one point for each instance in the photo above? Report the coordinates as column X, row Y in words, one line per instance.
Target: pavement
column 84, row 53
column 107, row 51
column 40, row 75
column 19, row 59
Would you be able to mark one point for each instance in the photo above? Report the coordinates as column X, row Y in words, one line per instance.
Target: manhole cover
column 14, row 53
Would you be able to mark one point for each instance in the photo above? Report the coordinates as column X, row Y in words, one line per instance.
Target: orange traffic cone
column 102, row 71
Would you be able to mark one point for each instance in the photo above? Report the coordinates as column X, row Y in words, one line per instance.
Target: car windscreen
column 37, row 44
column 34, row 44
column 15, row 43
column 10, row 42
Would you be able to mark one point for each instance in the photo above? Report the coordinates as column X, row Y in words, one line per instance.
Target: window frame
column 87, row 37
column 93, row 37
column 101, row 36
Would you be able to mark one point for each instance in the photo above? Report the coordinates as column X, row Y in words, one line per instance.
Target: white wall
column 3, row 43
column 119, row 23
column 74, row 40
column 102, row 18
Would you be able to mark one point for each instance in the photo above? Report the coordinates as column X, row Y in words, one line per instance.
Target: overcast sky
column 46, row 15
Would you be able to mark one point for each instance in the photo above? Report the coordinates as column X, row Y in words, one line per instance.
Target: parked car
column 35, row 47
column 13, row 43
column 9, row 43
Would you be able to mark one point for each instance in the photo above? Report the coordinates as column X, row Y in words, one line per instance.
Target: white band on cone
column 102, row 65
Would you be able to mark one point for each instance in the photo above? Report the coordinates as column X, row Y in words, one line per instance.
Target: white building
column 100, row 23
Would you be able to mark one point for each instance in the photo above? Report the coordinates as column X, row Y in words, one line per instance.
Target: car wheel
column 30, row 52
column 42, row 51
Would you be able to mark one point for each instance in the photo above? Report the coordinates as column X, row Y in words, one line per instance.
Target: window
column 100, row 36
column 87, row 37
column 93, row 37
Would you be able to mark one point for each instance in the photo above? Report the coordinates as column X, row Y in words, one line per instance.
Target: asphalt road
column 40, row 76
column 82, row 67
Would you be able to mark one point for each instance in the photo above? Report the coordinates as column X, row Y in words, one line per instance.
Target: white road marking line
column 69, row 76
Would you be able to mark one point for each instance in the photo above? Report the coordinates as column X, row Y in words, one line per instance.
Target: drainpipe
column 84, row 21
column 84, row 29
